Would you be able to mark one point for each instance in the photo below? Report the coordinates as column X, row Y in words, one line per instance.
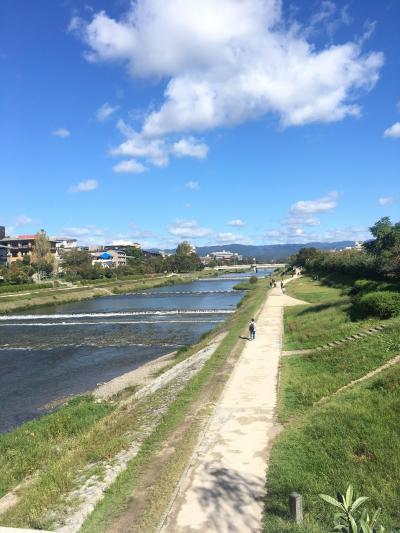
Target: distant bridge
column 258, row 265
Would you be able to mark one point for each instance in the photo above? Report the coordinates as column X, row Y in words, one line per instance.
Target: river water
column 53, row 352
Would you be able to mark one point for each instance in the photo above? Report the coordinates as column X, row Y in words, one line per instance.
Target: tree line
column 379, row 257
column 77, row 264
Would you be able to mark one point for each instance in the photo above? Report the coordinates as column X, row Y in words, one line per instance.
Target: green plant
column 253, row 279
column 349, row 518
column 384, row 304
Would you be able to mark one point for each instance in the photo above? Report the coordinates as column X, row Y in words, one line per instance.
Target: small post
column 296, row 507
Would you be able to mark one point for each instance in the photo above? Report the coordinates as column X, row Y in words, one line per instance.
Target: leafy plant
column 350, row 518
column 384, row 304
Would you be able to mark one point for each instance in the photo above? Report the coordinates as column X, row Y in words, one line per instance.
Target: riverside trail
column 223, row 487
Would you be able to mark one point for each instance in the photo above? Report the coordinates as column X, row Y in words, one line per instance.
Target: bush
column 365, row 285
column 384, row 304
column 253, row 279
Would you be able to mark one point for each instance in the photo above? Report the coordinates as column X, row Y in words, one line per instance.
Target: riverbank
column 59, row 450
column 61, row 295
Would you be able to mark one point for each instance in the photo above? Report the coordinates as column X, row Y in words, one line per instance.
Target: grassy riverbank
column 327, row 318
column 334, row 437
column 107, row 428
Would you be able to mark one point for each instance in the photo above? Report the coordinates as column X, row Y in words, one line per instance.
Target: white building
column 222, row 256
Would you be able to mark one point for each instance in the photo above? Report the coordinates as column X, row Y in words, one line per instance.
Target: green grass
column 37, row 443
column 354, row 438
column 351, row 437
column 245, row 286
column 325, row 320
column 5, row 289
column 309, row 377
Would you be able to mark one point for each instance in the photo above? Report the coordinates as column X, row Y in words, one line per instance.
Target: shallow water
column 52, row 352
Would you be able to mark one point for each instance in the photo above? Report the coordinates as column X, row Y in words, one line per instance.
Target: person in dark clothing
column 252, row 329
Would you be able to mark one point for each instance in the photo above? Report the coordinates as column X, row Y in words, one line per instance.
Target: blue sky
column 216, row 121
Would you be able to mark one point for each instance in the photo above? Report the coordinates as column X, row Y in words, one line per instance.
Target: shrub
column 365, row 285
column 253, row 279
column 384, row 304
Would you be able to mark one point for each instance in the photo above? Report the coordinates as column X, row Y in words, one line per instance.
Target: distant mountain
column 270, row 252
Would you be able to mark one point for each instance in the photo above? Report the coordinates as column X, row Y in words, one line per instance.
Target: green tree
column 385, row 246
column 184, row 249
column 77, row 264
column 18, row 273
column 41, row 257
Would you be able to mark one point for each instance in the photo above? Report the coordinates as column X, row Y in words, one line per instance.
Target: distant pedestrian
column 252, row 329
column 282, row 284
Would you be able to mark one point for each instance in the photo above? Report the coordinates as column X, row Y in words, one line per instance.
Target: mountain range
column 270, row 252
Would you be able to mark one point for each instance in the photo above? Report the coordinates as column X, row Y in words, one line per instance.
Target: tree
column 304, row 257
column 134, row 253
column 76, row 263
column 386, row 246
column 41, row 257
column 184, row 249
column 18, row 272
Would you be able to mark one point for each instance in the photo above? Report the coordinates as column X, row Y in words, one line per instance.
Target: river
column 53, row 352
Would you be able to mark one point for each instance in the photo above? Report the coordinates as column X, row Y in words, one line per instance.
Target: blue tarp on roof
column 105, row 255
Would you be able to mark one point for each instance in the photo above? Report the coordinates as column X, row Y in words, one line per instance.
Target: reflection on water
column 52, row 352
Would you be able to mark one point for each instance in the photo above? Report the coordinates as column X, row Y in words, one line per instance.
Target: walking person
column 252, row 329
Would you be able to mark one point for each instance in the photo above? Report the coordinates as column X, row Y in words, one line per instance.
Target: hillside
column 270, row 252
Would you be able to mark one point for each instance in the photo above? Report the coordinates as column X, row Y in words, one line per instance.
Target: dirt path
column 223, row 487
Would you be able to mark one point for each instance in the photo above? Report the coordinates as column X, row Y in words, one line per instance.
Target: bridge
column 247, row 267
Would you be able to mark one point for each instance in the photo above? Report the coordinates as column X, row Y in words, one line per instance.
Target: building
column 22, row 246
column 358, row 245
column 3, row 255
column 123, row 244
column 63, row 245
column 109, row 258
column 223, row 256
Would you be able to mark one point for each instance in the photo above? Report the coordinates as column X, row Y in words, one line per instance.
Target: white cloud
column 129, row 166
column 236, row 222
column 157, row 151
column 139, row 233
column 105, row 111
column 61, row 132
column 393, row 131
column 23, row 220
column 226, row 237
column 192, row 185
column 190, row 147
column 83, row 231
column 84, row 186
column 136, row 145
column 286, row 234
column 187, row 229
column 301, row 216
column 304, row 220
column 385, row 200
column 229, row 61
column 326, row 204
